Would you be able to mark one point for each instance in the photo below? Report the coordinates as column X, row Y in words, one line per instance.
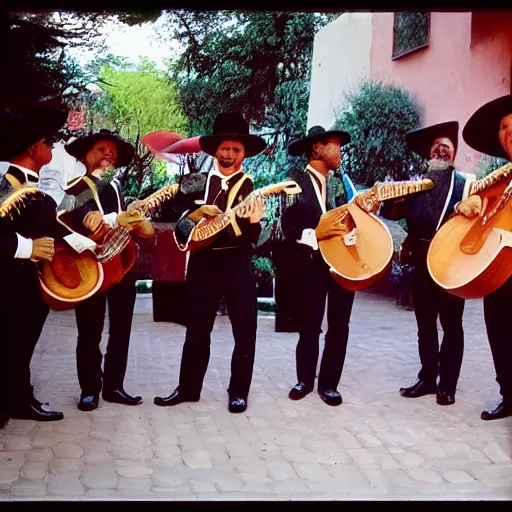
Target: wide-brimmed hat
column 184, row 146
column 22, row 127
column 70, row 277
column 157, row 141
column 420, row 140
column 481, row 130
column 79, row 147
column 302, row 145
column 232, row 126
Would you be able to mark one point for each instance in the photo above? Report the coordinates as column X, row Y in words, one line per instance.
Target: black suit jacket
column 305, row 213
column 289, row 256
column 108, row 199
column 215, row 195
column 35, row 217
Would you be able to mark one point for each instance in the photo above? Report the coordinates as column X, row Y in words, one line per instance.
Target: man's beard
column 226, row 163
column 436, row 164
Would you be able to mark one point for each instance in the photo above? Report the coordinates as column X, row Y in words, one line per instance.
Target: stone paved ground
column 376, row 446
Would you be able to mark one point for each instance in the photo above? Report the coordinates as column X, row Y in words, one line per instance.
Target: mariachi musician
column 321, row 191
column 489, row 130
column 102, row 152
column 28, row 228
column 425, row 212
column 223, row 268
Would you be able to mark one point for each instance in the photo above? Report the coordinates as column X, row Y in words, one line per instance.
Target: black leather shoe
column 120, row 396
column 502, row 410
column 300, row 390
column 88, row 402
column 330, row 397
column 419, row 389
column 175, row 398
column 36, row 411
column 237, row 404
column 444, row 398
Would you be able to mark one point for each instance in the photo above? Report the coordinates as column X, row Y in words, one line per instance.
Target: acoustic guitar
column 362, row 256
column 115, row 255
column 472, row 257
column 208, row 229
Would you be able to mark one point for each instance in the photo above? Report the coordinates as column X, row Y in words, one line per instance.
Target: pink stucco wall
column 467, row 63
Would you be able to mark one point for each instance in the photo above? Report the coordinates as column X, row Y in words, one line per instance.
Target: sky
column 132, row 42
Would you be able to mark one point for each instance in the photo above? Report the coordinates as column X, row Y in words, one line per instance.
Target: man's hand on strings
column 206, row 210
column 332, row 224
column 257, row 210
column 470, row 207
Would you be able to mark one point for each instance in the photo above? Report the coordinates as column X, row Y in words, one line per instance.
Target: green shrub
column 263, row 265
column 486, row 164
column 377, row 116
column 265, row 307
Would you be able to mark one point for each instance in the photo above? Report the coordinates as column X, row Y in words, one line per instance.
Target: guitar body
column 469, row 259
column 207, row 230
column 117, row 267
column 358, row 266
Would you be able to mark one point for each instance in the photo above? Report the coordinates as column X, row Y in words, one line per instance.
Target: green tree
column 377, row 116
column 257, row 63
column 487, row 164
column 37, row 62
column 137, row 101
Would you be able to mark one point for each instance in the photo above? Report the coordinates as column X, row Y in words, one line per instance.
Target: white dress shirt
column 308, row 235
column 61, row 169
column 24, row 249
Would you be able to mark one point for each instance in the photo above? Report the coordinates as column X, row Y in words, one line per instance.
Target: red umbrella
column 159, row 140
column 190, row 145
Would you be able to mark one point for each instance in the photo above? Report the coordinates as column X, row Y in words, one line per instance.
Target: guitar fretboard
column 157, row 198
column 289, row 187
column 215, row 224
column 492, row 178
column 394, row 189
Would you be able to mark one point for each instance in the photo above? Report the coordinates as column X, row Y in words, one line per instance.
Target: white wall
column 341, row 58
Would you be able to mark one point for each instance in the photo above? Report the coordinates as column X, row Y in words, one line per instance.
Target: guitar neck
column 393, row 189
column 491, row 179
column 157, row 198
column 288, row 187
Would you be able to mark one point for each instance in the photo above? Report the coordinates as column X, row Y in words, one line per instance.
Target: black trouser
column 497, row 307
column 316, row 284
column 90, row 318
column 212, row 273
column 430, row 301
column 23, row 316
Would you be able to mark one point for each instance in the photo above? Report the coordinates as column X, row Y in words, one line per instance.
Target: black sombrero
column 481, row 130
column 420, row 140
column 301, row 145
column 233, row 126
column 79, row 147
column 22, row 127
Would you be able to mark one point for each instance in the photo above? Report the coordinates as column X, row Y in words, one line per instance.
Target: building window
column 410, row 32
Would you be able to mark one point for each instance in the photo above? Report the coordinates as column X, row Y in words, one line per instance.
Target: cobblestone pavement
column 376, row 446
